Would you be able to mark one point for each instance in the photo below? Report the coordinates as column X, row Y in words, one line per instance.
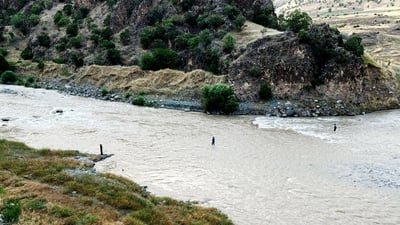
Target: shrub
column 139, row 101
column 77, row 60
column 68, row 9
column 58, row 60
column 107, row 44
column 64, row 21
column 76, row 42
column 218, row 98
column 214, row 20
column 104, row 92
column 125, row 37
column 33, row 20
column 4, row 65
column 27, row 53
column 113, row 56
column 353, row 44
column 155, row 15
column 212, row 60
column 304, row 36
column 255, row 71
column 239, row 22
column 8, row 77
column 72, row 30
column 11, row 211
column 148, row 35
column 57, row 17
column 265, row 92
column 297, row 21
column 228, row 43
column 106, row 33
column 231, row 11
column 159, row 59
column 265, row 17
column 186, row 4
column 44, row 40
column 3, row 52
column 40, row 65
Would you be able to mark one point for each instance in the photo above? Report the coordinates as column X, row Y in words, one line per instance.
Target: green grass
column 36, row 188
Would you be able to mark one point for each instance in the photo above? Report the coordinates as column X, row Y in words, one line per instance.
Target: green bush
column 57, row 17
column 255, row 71
column 113, row 56
column 160, row 59
column 77, row 60
column 63, row 21
column 8, row 77
column 214, row 21
column 265, row 92
column 4, row 65
column 228, row 43
column 27, row 53
column 3, row 52
column 107, row 44
column 68, row 9
column 218, row 98
column 59, row 60
column 76, row 42
column 354, row 45
column 11, row 211
column 44, row 40
column 106, row 33
column 148, row 35
column 297, row 21
column 72, row 30
column 239, row 22
column 40, row 65
column 304, row 36
column 231, row 11
column 125, row 37
column 139, row 101
column 33, row 20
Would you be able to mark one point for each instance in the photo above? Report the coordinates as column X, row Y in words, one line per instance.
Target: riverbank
column 281, row 108
column 40, row 186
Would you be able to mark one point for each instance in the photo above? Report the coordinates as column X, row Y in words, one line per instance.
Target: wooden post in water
column 101, row 149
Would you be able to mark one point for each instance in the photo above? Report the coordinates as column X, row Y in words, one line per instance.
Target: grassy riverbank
column 61, row 187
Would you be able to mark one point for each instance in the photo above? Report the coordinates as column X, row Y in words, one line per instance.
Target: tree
column 219, row 98
column 354, row 45
column 72, row 30
column 297, row 21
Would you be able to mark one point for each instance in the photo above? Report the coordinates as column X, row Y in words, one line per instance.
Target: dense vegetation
column 51, row 187
column 219, row 98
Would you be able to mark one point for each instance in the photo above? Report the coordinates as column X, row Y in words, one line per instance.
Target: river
column 262, row 170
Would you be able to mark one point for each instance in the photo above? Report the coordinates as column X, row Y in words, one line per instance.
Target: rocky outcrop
column 302, row 71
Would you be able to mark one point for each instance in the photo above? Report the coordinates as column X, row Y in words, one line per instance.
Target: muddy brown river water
column 262, row 170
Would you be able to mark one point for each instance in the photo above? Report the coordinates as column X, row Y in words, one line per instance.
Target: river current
column 262, row 170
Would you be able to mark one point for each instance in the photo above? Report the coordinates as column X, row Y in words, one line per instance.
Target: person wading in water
column 213, row 140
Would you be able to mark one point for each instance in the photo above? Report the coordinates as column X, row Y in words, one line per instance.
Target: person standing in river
column 213, row 140
column 334, row 127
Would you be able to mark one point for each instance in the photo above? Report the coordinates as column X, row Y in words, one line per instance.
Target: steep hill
column 243, row 43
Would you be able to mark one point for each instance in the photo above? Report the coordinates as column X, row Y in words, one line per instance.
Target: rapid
column 262, row 170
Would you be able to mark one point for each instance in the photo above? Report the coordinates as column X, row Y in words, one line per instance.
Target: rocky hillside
column 243, row 43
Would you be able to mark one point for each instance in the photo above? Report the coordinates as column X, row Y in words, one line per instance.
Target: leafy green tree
column 27, row 53
column 77, row 60
column 228, row 43
column 354, row 45
column 219, row 98
column 297, row 21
